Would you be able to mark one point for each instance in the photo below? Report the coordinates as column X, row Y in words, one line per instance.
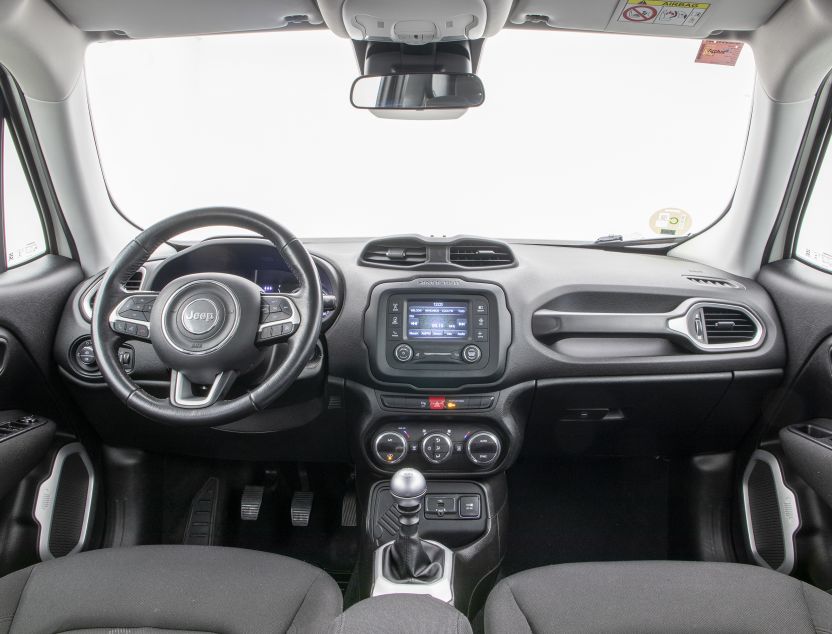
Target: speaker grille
column 765, row 515
column 70, row 507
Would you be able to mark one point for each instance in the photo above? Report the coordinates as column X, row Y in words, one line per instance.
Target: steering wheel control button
column 403, row 352
column 437, row 448
column 200, row 316
column 390, row 447
column 278, row 318
column 471, row 353
column 483, row 448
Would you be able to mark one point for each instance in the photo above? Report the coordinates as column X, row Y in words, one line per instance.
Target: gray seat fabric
column 401, row 614
column 160, row 589
column 655, row 597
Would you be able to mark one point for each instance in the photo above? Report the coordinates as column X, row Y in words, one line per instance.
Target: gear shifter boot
column 412, row 559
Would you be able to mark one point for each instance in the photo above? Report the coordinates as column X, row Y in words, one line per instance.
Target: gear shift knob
column 408, row 487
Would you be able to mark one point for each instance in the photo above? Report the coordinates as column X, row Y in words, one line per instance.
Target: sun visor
column 648, row 17
column 163, row 18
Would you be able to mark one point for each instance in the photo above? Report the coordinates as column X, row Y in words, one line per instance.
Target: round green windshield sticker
column 670, row 222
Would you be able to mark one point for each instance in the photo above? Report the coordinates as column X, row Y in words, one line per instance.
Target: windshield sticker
column 719, row 52
column 671, row 222
column 663, row 12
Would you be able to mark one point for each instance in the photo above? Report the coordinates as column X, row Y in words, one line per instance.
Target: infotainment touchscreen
column 437, row 320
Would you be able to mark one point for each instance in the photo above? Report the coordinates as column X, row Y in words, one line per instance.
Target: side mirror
column 417, row 91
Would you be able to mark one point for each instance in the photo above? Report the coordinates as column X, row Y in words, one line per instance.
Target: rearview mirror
column 418, row 91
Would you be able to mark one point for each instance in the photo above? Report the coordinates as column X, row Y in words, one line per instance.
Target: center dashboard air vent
column 480, row 254
column 394, row 254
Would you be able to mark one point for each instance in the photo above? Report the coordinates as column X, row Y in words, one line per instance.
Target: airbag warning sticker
column 663, row 12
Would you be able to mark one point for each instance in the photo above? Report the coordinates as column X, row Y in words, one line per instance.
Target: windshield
column 581, row 135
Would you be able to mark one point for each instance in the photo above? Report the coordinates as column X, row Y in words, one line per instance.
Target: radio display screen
column 438, row 320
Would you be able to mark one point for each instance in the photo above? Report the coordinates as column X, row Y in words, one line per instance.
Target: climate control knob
column 403, row 352
column 390, row 447
column 437, row 448
column 483, row 448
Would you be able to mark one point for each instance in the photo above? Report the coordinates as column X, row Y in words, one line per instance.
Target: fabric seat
column 655, row 597
column 160, row 589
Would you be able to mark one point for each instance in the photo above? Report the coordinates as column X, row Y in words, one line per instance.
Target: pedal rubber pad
column 250, row 503
column 301, row 507
column 349, row 510
column 202, row 519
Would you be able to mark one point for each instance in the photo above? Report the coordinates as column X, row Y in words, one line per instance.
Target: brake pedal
column 301, row 507
column 250, row 503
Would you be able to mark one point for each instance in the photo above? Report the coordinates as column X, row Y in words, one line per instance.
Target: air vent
column 135, row 281
column 713, row 282
column 481, row 255
column 88, row 299
column 395, row 255
column 725, row 325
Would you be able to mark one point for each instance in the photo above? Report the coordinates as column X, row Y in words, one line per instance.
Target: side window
column 24, row 237
column 814, row 240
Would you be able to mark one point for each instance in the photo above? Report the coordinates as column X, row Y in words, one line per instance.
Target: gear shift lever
column 411, row 559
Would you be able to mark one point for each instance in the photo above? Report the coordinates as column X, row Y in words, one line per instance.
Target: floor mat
column 565, row 510
column 324, row 542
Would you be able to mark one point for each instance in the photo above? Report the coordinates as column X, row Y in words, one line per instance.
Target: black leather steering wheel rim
column 299, row 348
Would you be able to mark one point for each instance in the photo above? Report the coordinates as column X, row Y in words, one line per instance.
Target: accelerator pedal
column 250, row 503
column 200, row 530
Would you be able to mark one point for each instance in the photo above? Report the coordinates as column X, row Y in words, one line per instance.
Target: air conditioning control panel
column 457, row 447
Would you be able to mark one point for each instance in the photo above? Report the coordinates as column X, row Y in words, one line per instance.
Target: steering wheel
column 208, row 328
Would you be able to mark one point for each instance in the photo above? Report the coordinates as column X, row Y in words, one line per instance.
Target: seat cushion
column 169, row 588
column 655, row 597
column 401, row 614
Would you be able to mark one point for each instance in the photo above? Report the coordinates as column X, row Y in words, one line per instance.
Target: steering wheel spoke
column 131, row 317
column 186, row 395
column 279, row 318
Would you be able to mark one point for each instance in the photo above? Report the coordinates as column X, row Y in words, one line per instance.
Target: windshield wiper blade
column 612, row 237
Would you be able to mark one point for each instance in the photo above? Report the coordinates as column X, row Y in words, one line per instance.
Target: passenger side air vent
column 713, row 282
column 394, row 254
column 725, row 325
column 481, row 255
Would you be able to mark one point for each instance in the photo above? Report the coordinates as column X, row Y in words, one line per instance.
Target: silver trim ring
column 221, row 343
column 450, row 447
column 496, row 453
column 404, row 442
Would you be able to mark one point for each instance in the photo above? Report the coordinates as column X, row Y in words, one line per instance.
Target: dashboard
column 428, row 343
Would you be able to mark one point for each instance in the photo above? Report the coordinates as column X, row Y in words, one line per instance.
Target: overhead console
column 440, row 332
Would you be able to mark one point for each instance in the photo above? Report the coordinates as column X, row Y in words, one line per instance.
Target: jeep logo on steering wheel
column 200, row 316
